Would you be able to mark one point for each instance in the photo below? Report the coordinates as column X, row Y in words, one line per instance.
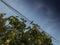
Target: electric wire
column 13, row 9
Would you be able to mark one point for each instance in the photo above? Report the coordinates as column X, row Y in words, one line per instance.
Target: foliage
column 14, row 31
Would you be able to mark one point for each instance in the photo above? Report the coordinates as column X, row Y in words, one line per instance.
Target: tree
column 14, row 31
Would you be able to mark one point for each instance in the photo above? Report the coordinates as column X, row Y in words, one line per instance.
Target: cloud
column 53, row 6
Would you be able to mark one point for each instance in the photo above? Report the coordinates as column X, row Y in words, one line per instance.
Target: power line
column 13, row 9
column 51, row 36
column 24, row 17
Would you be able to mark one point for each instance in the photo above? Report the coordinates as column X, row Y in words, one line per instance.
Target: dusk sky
column 46, row 13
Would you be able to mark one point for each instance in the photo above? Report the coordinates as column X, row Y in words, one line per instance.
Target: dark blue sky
column 46, row 13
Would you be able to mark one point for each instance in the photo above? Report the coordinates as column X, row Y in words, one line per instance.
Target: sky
column 46, row 13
